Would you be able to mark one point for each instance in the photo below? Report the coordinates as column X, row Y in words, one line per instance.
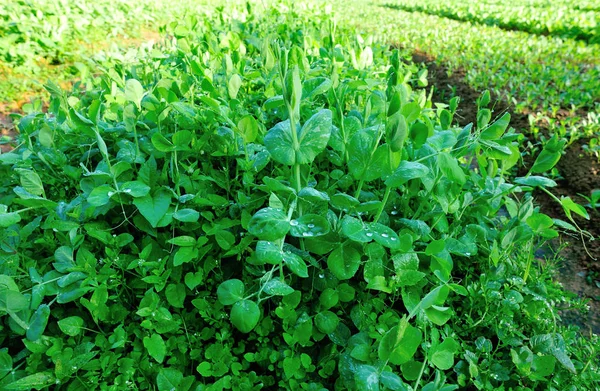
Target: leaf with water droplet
column 268, row 252
column 296, row 264
column 269, row 224
column 309, row 225
column 356, row 230
column 344, row 261
column 384, row 235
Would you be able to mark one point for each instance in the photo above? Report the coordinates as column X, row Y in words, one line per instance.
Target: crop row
column 584, row 5
column 561, row 21
column 533, row 73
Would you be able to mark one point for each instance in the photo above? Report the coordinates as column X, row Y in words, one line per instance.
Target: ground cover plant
column 273, row 202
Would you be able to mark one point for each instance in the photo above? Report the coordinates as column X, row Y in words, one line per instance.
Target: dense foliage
column 274, row 203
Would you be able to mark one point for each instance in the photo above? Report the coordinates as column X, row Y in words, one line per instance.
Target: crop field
column 311, row 195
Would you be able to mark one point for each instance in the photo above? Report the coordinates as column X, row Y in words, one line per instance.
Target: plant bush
column 271, row 203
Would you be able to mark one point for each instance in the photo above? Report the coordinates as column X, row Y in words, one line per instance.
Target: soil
column 7, row 132
column 580, row 267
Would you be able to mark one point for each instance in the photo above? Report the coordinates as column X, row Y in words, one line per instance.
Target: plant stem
column 388, row 190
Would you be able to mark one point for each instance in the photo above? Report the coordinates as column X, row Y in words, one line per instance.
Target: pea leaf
column 154, row 207
column 134, row 92
column 72, row 326
column 38, row 322
column 156, row 347
column 277, row 287
column 230, row 292
column 405, row 172
column 269, row 224
column 309, row 225
column 344, row 262
column 245, row 315
column 450, row 168
column 314, row 136
column 37, row 380
column 186, row 215
column 326, row 322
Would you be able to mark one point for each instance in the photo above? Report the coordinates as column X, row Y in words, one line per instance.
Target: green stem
column 359, row 188
column 529, row 261
column 388, row 190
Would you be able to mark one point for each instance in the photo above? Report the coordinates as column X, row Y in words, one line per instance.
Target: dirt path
column 579, row 271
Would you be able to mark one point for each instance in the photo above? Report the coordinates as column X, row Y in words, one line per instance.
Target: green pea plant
column 272, row 202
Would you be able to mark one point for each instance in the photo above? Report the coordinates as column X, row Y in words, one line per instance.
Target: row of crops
column 561, row 20
column 538, row 75
column 271, row 200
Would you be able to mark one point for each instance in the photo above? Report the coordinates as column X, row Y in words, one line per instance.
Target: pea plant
column 270, row 202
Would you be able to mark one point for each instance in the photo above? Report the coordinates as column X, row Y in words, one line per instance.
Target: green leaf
column 314, row 136
column 309, row 225
column 384, row 235
column 315, row 86
column 37, row 380
column 100, row 196
column 187, row 215
column 230, row 292
column 295, row 264
column 535, row 181
column 175, row 294
column 277, row 287
column 31, row 181
column 392, row 381
column 154, row 207
column 269, row 224
column 344, row 262
column 494, row 131
column 396, row 131
column 367, row 378
column 245, row 315
column 545, row 161
column 134, row 189
column 399, row 344
column 225, row 239
column 326, row 322
column 405, row 172
column 72, row 326
column 38, row 322
column 161, row 143
column 192, row 280
column 233, row 86
column 571, row 206
column 356, row 230
column 248, row 128
column 8, row 219
column 442, row 355
column 185, row 255
column 156, row 347
column 168, row 379
column 267, row 252
column 450, row 168
column 6, row 363
column 363, row 163
column 134, row 92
